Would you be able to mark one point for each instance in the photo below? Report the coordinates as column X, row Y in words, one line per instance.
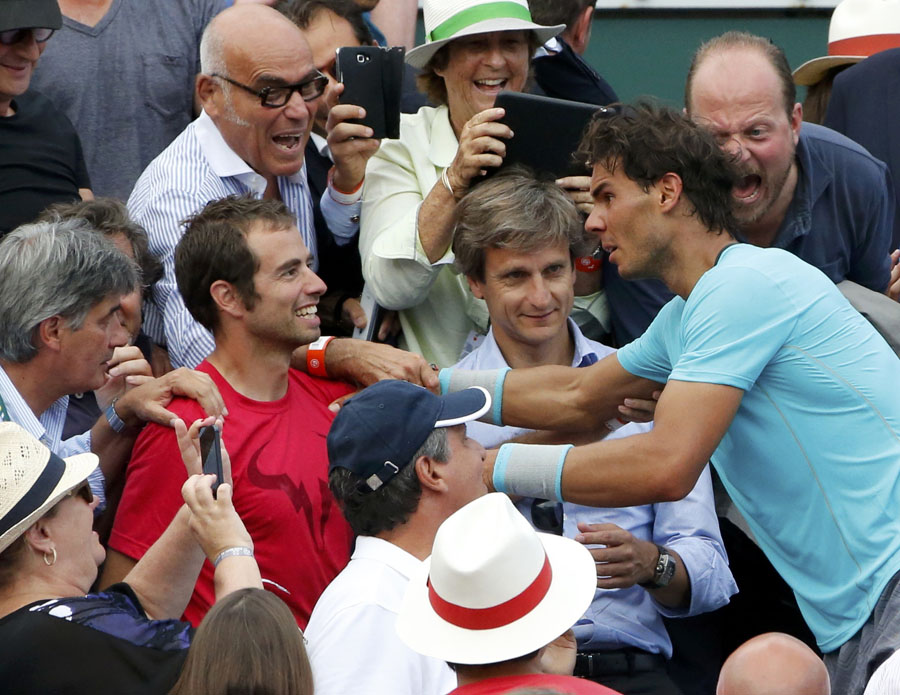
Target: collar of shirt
column 813, row 177
column 371, row 548
column 47, row 427
column 225, row 162
column 550, row 48
column 585, row 353
column 444, row 144
column 321, row 145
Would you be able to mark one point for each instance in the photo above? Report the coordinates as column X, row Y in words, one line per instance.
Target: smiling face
column 624, row 216
column 270, row 140
column 736, row 94
column 479, row 66
column 325, row 34
column 529, row 294
column 284, row 313
column 87, row 350
column 17, row 63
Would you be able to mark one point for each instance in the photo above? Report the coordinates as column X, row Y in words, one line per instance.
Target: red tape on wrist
column 588, row 264
column 495, row 616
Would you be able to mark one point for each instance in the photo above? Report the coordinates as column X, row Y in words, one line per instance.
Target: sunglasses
column 14, row 36
column 83, row 491
column 274, row 97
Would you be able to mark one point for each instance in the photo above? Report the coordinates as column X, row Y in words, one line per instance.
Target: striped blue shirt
column 196, row 168
column 47, row 429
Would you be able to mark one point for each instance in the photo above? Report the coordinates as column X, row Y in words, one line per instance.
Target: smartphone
column 211, row 454
column 374, row 316
column 372, row 77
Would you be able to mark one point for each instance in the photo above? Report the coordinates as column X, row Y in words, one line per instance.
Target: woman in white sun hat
column 493, row 597
column 126, row 639
column 472, row 50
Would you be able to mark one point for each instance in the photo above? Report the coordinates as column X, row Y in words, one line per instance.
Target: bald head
column 773, row 664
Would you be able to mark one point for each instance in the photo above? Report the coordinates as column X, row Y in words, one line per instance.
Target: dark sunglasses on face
column 14, row 36
column 83, row 491
column 273, row 97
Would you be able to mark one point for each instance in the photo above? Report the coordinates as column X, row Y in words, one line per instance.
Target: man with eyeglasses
column 40, row 154
column 259, row 91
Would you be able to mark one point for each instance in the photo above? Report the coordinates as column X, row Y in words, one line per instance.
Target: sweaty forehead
column 735, row 83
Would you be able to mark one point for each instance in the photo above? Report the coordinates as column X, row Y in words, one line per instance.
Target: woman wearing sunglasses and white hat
column 125, row 639
column 473, row 49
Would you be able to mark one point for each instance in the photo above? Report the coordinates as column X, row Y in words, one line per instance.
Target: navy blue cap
column 379, row 430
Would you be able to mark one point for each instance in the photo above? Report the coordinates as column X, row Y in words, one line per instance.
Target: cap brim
column 571, row 592
column 419, row 56
column 78, row 468
column 814, row 70
column 462, row 406
column 29, row 14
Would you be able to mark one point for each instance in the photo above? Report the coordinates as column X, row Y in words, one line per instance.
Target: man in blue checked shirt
column 259, row 90
column 516, row 240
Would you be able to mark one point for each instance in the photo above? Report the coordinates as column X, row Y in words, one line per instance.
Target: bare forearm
column 435, row 222
column 165, row 576
column 397, row 21
column 236, row 572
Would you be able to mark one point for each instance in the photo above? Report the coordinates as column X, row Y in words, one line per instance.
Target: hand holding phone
column 211, row 454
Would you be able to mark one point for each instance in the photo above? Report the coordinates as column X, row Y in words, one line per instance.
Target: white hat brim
column 571, row 592
column 78, row 468
column 419, row 56
column 814, row 70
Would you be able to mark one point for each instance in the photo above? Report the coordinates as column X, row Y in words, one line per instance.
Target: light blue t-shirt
column 812, row 457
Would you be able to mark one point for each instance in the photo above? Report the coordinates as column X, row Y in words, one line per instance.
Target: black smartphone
column 372, row 77
column 211, row 454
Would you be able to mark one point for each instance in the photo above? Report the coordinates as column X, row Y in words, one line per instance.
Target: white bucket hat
column 858, row 29
column 494, row 589
column 446, row 20
column 33, row 479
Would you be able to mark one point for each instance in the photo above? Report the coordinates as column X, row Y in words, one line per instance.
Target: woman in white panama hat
column 473, row 49
column 127, row 638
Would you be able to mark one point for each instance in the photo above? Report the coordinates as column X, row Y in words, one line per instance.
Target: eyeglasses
column 83, row 491
column 14, row 36
column 273, row 97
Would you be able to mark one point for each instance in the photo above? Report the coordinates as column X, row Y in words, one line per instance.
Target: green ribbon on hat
column 479, row 13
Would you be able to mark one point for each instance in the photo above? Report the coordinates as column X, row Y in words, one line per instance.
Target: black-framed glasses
column 83, row 491
column 273, row 97
column 13, row 36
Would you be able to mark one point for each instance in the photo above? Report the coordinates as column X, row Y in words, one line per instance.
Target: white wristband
column 232, row 552
column 530, row 470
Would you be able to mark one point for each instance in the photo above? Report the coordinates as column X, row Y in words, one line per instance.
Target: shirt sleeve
column 341, row 213
column 870, row 262
column 690, row 528
column 648, row 356
column 395, row 265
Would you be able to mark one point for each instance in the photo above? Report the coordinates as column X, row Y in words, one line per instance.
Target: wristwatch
column 665, row 570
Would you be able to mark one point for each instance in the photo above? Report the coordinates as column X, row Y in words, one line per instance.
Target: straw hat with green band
column 446, row 20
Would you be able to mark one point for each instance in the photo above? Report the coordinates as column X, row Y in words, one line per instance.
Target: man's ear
column 797, row 121
column 209, row 95
column 430, row 474
column 476, row 286
column 669, row 189
column 227, row 299
column 49, row 332
column 579, row 34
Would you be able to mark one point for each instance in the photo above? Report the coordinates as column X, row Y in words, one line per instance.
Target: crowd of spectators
column 630, row 431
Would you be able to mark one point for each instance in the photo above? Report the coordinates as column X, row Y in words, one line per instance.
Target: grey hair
column 391, row 505
column 212, row 50
column 55, row 269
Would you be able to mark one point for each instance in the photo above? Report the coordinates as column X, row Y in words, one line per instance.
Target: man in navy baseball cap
column 399, row 464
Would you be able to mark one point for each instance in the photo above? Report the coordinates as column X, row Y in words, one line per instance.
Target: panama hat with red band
column 446, row 20
column 858, row 29
column 494, row 589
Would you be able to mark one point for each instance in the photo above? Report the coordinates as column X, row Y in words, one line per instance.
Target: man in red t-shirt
column 245, row 274
column 496, row 600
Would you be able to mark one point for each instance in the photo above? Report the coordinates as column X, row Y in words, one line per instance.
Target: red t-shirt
column 279, row 465
column 505, row 684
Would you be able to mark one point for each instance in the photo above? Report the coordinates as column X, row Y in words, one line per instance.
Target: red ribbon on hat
column 502, row 614
column 864, row 45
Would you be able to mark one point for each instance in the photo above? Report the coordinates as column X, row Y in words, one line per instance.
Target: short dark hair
column 302, row 12
column 247, row 643
column 476, row 671
column 110, row 217
column 743, row 39
column 432, row 85
column 391, row 505
column 649, row 141
column 214, row 247
column 514, row 209
column 553, row 12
